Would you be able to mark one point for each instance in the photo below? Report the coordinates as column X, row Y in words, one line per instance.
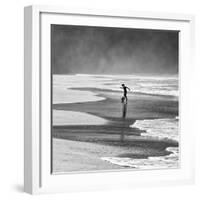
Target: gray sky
column 103, row 50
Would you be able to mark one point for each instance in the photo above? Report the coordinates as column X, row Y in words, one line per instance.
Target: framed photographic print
column 107, row 101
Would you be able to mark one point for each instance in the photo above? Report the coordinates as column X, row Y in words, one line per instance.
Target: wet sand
column 80, row 147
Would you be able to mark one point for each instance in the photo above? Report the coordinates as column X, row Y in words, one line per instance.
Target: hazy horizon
column 114, row 74
column 112, row 51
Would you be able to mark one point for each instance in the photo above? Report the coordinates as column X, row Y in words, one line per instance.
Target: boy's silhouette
column 125, row 93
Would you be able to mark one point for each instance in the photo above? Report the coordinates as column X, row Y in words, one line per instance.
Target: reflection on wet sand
column 124, row 111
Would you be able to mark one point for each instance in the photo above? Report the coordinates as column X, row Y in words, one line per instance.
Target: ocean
column 166, row 128
column 155, row 128
column 154, row 85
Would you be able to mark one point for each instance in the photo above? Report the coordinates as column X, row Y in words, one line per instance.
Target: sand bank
column 70, row 156
column 64, row 118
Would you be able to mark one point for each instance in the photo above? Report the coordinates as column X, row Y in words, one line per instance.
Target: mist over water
column 105, row 50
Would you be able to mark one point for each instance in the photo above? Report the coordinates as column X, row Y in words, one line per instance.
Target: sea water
column 170, row 161
column 156, row 128
column 156, row 85
column 63, row 92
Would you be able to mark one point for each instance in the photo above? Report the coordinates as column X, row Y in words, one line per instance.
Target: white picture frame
column 37, row 143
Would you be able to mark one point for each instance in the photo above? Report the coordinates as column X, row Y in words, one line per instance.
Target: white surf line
column 162, row 128
column 157, row 162
column 153, row 128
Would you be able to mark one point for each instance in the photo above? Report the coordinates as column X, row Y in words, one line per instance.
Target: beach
column 92, row 130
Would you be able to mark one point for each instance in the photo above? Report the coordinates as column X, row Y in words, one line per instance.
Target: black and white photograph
column 114, row 99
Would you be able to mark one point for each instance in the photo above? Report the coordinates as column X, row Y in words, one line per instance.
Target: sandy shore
column 79, row 156
column 140, row 106
column 71, row 155
column 65, row 118
column 103, row 132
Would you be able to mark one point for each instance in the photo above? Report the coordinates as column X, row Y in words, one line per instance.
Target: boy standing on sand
column 125, row 92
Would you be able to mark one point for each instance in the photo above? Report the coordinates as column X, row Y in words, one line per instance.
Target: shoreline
column 140, row 106
column 112, row 139
column 68, row 83
column 77, row 156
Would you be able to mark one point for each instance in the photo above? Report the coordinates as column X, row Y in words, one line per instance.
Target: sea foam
column 159, row 162
column 156, row 128
column 159, row 128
